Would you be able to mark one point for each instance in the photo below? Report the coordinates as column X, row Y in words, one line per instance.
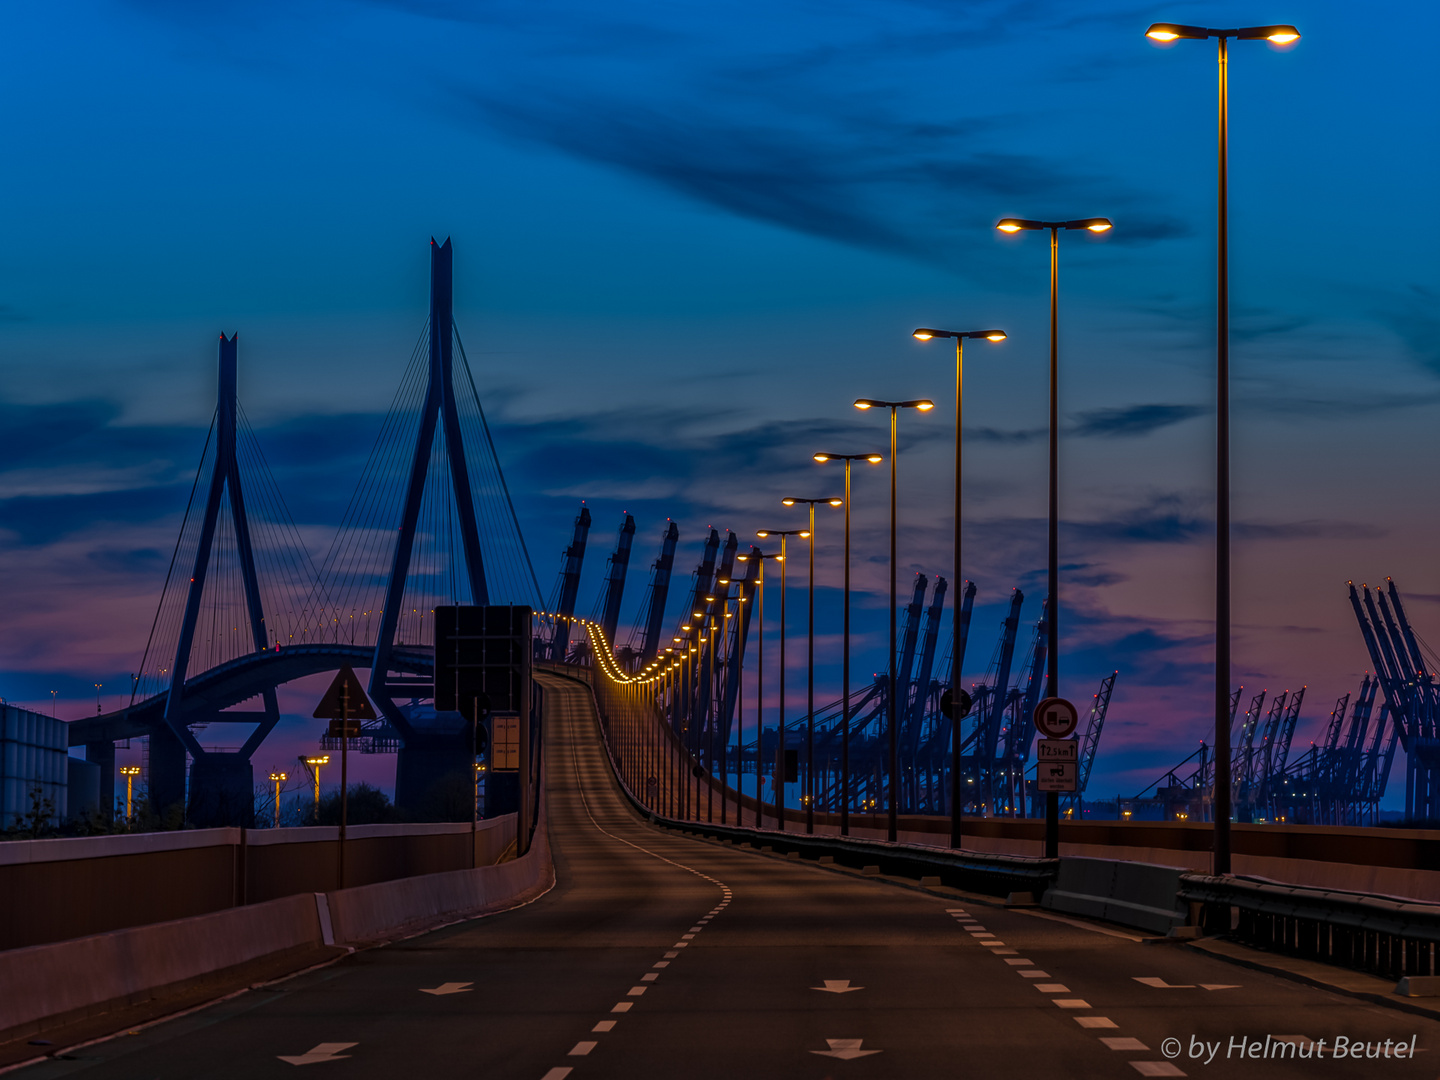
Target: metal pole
column 956, row 809
column 891, row 712
column 845, row 699
column 810, row 691
column 760, row 697
column 1222, row 488
column 475, row 774
column 712, row 716
column 1052, row 798
column 780, row 745
column 344, row 776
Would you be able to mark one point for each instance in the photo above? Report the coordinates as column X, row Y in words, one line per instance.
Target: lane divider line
column 1090, row 1023
column 583, row 1048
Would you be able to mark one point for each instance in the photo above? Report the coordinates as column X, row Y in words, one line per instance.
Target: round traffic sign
column 947, row 705
column 1056, row 718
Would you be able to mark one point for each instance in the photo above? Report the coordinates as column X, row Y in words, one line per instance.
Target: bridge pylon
column 221, row 784
column 435, row 748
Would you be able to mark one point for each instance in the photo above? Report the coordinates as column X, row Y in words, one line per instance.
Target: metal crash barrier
column 1390, row 938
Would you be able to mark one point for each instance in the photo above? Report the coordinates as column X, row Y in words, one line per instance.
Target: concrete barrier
column 1143, row 895
column 374, row 912
column 46, row 986
column 55, row 890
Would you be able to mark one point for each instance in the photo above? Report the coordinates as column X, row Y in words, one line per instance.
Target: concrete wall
column 45, row 986
column 53, row 890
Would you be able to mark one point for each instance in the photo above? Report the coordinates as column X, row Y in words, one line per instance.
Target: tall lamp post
column 784, row 535
column 278, row 779
column 891, row 711
column 1276, row 35
column 756, row 553
column 312, row 766
column 130, row 772
column 926, row 334
column 810, row 678
column 1052, row 678
column 873, row 459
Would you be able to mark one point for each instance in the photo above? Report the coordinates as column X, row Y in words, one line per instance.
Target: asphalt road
column 658, row 955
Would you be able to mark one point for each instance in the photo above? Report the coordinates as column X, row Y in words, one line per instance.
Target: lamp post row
column 1279, row 34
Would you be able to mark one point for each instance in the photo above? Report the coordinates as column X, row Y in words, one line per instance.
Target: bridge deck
column 658, row 955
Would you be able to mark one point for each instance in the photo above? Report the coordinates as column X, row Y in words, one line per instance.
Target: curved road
column 658, row 955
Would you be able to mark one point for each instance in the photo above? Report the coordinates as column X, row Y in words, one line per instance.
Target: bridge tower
column 434, row 748
column 221, row 784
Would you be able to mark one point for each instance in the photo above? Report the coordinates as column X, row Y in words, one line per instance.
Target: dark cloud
column 1005, row 438
column 1311, row 529
column 1133, row 420
column 1415, row 318
column 43, row 433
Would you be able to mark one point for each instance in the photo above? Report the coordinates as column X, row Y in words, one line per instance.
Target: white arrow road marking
column 845, row 1049
column 1219, row 986
column 447, row 988
column 1160, row 984
column 320, row 1052
column 836, row 986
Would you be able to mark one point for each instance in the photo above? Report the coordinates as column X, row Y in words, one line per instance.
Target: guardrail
column 1389, row 937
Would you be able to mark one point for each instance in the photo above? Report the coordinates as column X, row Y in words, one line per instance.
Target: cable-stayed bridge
column 245, row 609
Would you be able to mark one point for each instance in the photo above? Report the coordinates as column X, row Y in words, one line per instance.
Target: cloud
column 1413, row 317
column 1133, row 420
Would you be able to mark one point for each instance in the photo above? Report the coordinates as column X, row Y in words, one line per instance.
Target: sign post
column 1056, row 719
column 345, row 706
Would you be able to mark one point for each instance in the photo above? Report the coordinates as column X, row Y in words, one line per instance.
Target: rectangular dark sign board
column 482, row 653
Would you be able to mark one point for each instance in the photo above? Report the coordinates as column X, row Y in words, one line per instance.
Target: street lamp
column 1094, row 225
column 1282, row 34
column 129, row 772
column 278, row 778
column 891, row 712
column 784, row 535
column 312, row 766
column 927, row 334
column 756, row 553
column 810, row 684
column 873, row 459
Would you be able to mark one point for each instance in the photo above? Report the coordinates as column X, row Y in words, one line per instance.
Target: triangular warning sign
column 337, row 704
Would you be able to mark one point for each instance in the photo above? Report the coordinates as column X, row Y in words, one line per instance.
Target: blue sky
column 686, row 238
